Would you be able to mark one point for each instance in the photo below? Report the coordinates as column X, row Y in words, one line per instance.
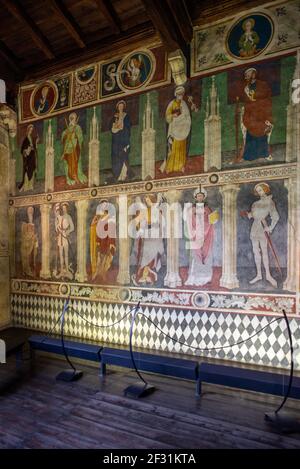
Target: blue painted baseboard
column 251, row 380
column 226, row 375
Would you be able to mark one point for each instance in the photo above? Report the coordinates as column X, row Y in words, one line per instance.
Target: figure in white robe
column 64, row 226
column 200, row 220
column 178, row 117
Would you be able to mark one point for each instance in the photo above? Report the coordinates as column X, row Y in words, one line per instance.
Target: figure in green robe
column 72, row 139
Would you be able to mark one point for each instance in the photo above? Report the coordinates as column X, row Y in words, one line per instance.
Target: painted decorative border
column 237, row 302
column 238, row 176
column 222, row 59
column 99, row 99
column 83, row 69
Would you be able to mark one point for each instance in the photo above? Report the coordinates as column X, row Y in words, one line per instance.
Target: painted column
column 12, row 163
column 292, row 266
column 4, row 249
column 229, row 234
column 94, row 152
column 7, row 130
column 45, row 222
column 293, row 121
column 12, row 234
column 81, row 207
column 148, row 143
column 174, row 222
column 12, row 176
column 123, row 277
column 212, row 131
column 49, row 160
column 4, row 183
column 297, row 234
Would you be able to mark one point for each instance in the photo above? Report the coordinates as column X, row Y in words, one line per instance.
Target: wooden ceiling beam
column 139, row 36
column 108, row 11
column 10, row 58
column 182, row 17
column 165, row 23
column 21, row 15
column 65, row 17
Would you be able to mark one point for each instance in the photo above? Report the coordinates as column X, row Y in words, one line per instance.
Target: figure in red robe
column 256, row 117
column 102, row 241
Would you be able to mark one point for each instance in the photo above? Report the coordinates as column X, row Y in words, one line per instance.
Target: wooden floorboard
column 36, row 411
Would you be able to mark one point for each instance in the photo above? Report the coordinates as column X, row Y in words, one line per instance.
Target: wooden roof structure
column 38, row 37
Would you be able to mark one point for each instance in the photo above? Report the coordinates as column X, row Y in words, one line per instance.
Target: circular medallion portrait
column 85, row 75
column 136, row 70
column 249, row 36
column 44, row 98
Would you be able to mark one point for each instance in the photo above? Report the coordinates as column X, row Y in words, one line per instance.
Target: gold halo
column 248, row 20
column 264, row 185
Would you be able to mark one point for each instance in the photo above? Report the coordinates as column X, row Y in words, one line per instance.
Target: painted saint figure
column 29, row 244
column 135, row 72
column 256, row 117
column 262, row 210
column 120, row 149
column 249, row 40
column 30, row 158
column 64, row 226
column 148, row 247
column 102, row 241
column 179, row 122
column 72, row 140
column 200, row 220
column 43, row 105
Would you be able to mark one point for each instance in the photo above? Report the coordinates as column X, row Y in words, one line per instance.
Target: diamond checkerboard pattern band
column 198, row 329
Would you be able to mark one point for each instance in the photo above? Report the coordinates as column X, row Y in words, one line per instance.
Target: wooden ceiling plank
column 108, row 11
column 21, row 15
column 162, row 19
column 137, row 37
column 63, row 14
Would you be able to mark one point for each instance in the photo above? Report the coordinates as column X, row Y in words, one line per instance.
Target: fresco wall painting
column 129, row 188
column 237, row 118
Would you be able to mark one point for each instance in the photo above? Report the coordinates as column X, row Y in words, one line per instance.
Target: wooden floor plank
column 37, row 411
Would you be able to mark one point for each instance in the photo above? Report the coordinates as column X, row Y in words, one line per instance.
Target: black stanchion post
column 285, row 423
column 141, row 388
column 73, row 374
